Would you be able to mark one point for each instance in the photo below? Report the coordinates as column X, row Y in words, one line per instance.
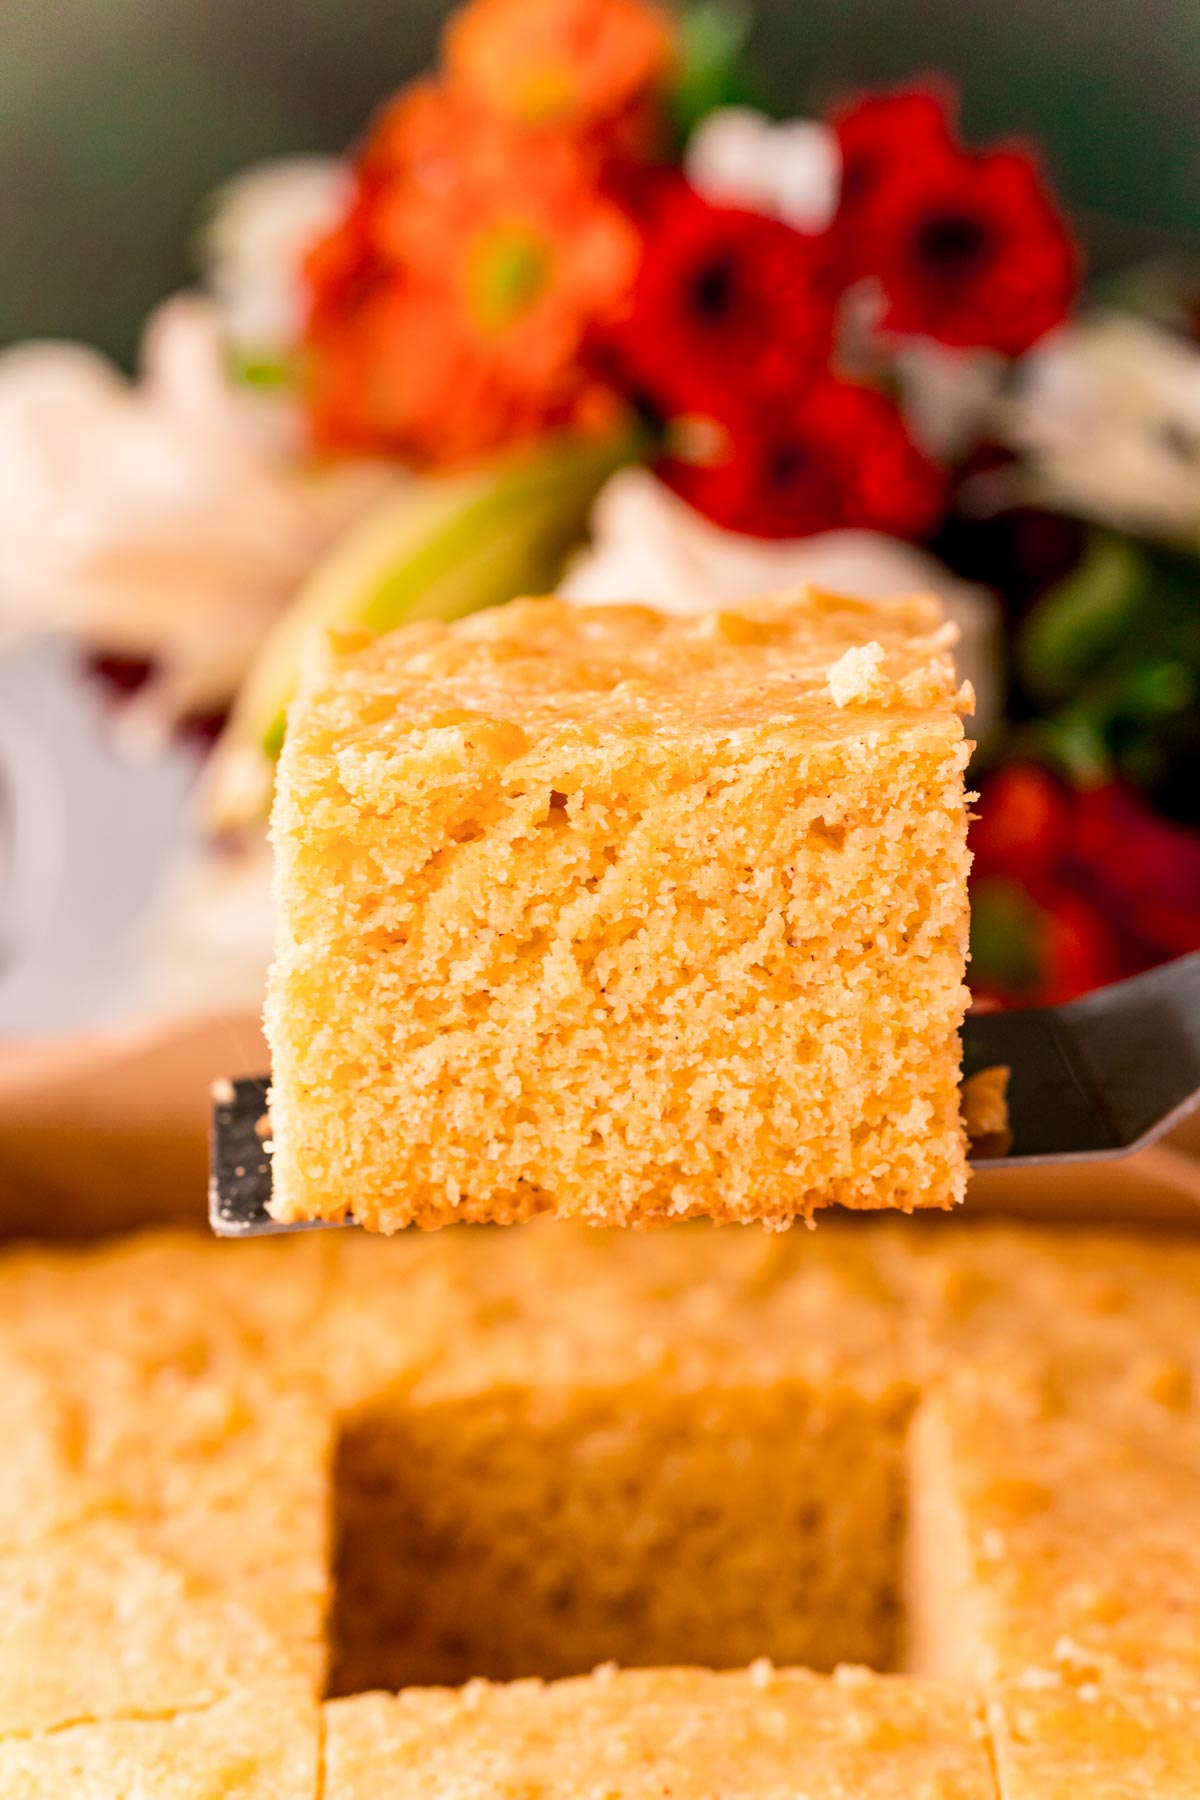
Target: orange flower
column 580, row 64
column 434, row 160
column 450, row 310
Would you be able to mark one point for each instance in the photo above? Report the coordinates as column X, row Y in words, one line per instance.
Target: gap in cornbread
column 623, row 917
column 526, row 1531
column 672, row 1447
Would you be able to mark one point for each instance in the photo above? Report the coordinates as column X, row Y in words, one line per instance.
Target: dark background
column 117, row 116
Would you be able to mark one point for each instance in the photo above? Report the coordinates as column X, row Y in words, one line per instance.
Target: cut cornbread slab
column 253, row 1517
column 132, row 1317
column 1017, row 1512
column 623, row 917
column 1129, row 1745
column 43, row 1487
column 262, row 1745
column 683, row 1732
column 94, row 1627
column 1055, row 1465
column 177, row 1396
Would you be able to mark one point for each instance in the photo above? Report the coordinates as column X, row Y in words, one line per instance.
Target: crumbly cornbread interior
column 249, row 1476
column 623, row 917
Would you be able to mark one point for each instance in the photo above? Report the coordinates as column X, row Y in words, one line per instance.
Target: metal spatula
column 1096, row 1078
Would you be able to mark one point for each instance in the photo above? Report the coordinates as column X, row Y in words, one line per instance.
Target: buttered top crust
column 544, row 669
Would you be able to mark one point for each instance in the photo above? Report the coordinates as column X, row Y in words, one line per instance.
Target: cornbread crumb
column 858, row 675
column 624, row 917
column 985, row 1112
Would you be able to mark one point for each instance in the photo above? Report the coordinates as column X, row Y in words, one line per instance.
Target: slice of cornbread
column 623, row 917
column 680, row 1732
column 262, row 1745
column 180, row 1397
column 93, row 1626
column 1054, row 1473
column 1128, row 1745
column 1016, row 1514
column 43, row 1487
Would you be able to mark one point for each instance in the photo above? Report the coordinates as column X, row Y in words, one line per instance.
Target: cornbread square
column 43, row 1489
column 622, row 916
column 1015, row 1519
column 261, row 1745
column 758, row 1735
column 1054, row 1464
column 93, row 1627
column 173, row 1390
column 1130, row 1744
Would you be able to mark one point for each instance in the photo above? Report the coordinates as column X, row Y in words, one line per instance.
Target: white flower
column 948, row 396
column 260, row 226
column 648, row 544
column 169, row 518
column 1107, row 415
column 793, row 171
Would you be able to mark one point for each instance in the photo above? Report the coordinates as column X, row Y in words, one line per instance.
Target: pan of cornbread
column 893, row 1507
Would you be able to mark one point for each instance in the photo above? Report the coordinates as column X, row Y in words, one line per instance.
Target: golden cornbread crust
column 623, row 917
column 250, row 1476
column 677, row 1732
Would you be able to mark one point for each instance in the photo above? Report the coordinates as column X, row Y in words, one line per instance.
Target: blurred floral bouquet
column 816, row 344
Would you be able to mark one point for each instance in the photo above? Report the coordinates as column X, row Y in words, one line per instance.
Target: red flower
column 1143, row 869
column 1072, row 890
column 1022, row 824
column 1037, row 943
column 879, row 131
column 726, row 303
column 836, row 455
column 969, row 250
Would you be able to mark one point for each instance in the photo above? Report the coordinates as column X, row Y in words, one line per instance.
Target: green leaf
column 1005, row 935
column 270, row 374
column 1111, row 659
column 1071, row 742
column 1077, row 623
column 714, row 35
